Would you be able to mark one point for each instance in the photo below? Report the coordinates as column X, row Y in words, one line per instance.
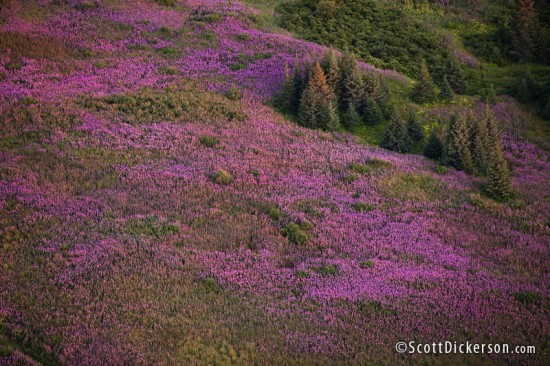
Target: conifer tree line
column 332, row 92
column 473, row 146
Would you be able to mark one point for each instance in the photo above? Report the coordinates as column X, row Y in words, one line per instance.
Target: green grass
column 410, row 187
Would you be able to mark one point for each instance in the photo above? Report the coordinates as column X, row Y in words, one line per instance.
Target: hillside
column 158, row 207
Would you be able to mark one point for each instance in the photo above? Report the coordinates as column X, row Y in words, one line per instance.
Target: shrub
column 295, row 234
column 302, row 274
column 221, row 177
column 209, row 141
column 366, row 264
column 528, row 298
column 101, row 64
column 14, row 64
column 328, row 270
column 210, row 284
column 275, row 213
column 167, row 2
column 234, row 93
column 237, row 66
column 242, row 37
column 362, row 207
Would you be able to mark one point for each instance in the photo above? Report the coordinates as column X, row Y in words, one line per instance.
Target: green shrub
column 14, row 64
column 167, row 2
column 233, row 93
column 302, row 274
column 221, row 177
column 328, row 270
column 295, row 234
column 242, row 37
column 210, row 284
column 367, row 264
column 237, row 66
column 362, row 207
column 209, row 141
column 101, row 64
column 275, row 213
column 528, row 298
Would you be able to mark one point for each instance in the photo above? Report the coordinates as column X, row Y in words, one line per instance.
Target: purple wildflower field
column 135, row 234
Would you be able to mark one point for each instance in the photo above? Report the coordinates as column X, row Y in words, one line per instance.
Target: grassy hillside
column 155, row 209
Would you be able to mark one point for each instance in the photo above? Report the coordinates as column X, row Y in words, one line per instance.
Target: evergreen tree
column 481, row 146
column 488, row 94
column 297, row 86
column 457, row 148
column 372, row 112
column 352, row 117
column 499, row 180
column 446, row 92
column 373, row 87
column 284, row 97
column 546, row 110
column 424, row 90
column 331, row 68
column 307, row 114
column 524, row 94
column 413, row 127
column 434, row 147
column 525, row 29
column 317, row 107
column 396, row 136
column 351, row 81
column 455, row 76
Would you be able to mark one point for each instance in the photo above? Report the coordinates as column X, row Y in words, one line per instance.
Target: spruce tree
column 396, row 136
column 523, row 93
column 284, row 97
column 434, row 147
column 524, row 30
column 455, row 76
column 480, row 145
column 424, row 90
column 317, row 107
column 332, row 69
column 499, row 179
column 446, row 92
column 546, row 110
column 488, row 94
column 351, row 81
column 457, row 148
column 297, row 86
column 413, row 127
column 352, row 117
column 371, row 112
column 373, row 87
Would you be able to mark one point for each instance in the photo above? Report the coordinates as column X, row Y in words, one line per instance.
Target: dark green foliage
column 362, row 207
column 457, row 148
column 446, row 92
column 396, row 137
column 524, row 93
column 367, row 264
column 351, row 118
column 328, row 270
column 317, row 106
column 351, row 81
column 380, row 33
column 455, row 76
column 234, row 93
column 546, row 110
column 221, row 177
column 295, row 234
column 167, row 2
column 331, row 67
column 372, row 112
column 373, row 88
column 413, row 127
column 488, row 94
column 528, row 298
column 424, row 90
column 498, row 185
column 434, row 147
column 524, row 30
column 209, row 141
column 284, row 99
column 275, row 213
